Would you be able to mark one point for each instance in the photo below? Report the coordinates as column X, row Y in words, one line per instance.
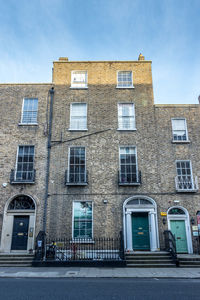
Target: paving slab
column 29, row 272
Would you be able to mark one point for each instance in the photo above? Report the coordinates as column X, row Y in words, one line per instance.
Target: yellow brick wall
column 103, row 72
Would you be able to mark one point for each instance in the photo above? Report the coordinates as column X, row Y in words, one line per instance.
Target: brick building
column 106, row 158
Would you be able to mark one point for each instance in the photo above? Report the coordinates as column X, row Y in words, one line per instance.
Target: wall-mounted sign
column 163, row 213
column 194, row 228
column 195, row 233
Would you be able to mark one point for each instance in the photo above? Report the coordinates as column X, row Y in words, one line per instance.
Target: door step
column 149, row 260
column 190, row 261
column 16, row 260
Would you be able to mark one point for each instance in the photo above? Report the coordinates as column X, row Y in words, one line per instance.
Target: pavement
column 83, row 272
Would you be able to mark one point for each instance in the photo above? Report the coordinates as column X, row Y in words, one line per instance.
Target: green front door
column 178, row 229
column 140, row 231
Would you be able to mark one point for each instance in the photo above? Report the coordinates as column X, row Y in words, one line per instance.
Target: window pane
column 184, row 175
column 77, row 172
column 30, row 109
column 179, row 129
column 79, row 79
column 124, row 79
column 78, row 118
column 82, row 220
column 126, row 116
column 178, row 124
column 25, row 164
column 128, row 168
column 78, row 109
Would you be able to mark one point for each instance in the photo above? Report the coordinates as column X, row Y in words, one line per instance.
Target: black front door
column 20, row 233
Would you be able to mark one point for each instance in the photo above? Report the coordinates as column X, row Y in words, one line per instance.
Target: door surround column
column 129, row 236
column 153, row 234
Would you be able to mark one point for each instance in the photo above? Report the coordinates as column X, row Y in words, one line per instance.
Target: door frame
column 185, row 218
column 7, row 228
column 151, row 209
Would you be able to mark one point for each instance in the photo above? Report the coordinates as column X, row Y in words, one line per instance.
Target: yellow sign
column 194, row 228
column 163, row 213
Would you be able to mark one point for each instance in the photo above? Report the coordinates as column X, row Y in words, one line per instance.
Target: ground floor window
column 82, row 220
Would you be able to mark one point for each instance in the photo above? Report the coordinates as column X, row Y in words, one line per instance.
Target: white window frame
column 136, row 161
column 79, row 85
column 77, row 129
column 16, row 162
column 126, row 129
column 186, row 131
column 191, row 172
column 22, row 113
column 79, row 239
column 69, row 151
column 125, row 87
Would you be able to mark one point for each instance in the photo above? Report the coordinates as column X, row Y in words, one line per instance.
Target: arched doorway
column 178, row 223
column 18, row 224
column 140, row 224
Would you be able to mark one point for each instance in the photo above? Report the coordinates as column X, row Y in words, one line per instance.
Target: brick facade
column 156, row 153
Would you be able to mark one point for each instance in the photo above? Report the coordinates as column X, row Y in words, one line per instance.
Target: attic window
column 79, row 79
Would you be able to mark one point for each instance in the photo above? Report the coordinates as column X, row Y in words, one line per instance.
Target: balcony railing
column 129, row 179
column 76, row 179
column 21, row 177
column 186, row 184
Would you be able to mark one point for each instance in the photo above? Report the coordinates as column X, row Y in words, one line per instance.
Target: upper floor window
column 78, row 116
column 82, row 220
column 179, row 130
column 128, row 173
column 184, row 179
column 79, row 79
column 77, row 167
column 29, row 111
column 126, row 116
column 124, row 79
column 25, row 164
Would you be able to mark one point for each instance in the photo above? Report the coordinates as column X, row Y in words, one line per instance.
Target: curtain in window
column 179, row 129
column 30, row 109
column 78, row 116
column 126, row 116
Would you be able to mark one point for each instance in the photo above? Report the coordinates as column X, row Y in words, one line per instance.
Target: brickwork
column 156, row 153
column 12, row 135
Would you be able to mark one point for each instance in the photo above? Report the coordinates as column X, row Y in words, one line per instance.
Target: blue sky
column 34, row 33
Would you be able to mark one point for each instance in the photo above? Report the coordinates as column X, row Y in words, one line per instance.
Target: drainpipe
column 51, row 92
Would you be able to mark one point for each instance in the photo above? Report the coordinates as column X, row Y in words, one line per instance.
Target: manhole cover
column 72, row 273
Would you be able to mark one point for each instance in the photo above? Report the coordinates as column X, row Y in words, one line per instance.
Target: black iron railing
column 22, row 176
column 129, row 179
column 170, row 245
column 76, row 179
column 96, row 249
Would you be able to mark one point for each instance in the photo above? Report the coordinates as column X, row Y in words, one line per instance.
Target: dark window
column 128, row 166
column 25, row 160
column 77, row 172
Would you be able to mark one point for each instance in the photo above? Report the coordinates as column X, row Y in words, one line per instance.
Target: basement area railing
column 67, row 249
